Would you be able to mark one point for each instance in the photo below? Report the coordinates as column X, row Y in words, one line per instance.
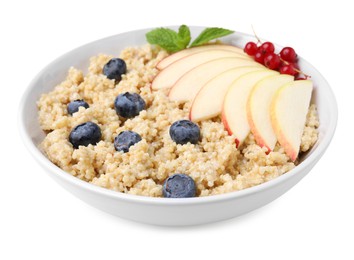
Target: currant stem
column 286, row 62
column 298, row 71
column 255, row 35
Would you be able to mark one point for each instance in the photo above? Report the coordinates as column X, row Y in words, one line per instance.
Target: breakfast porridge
column 212, row 161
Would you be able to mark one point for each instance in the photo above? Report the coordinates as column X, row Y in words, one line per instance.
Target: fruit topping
column 85, row 134
column 73, row 106
column 125, row 139
column 188, row 86
column 251, row 48
column 114, row 69
column 129, row 105
column 184, row 131
column 285, row 62
column 272, row 61
column 288, row 69
column 288, row 54
column 258, row 108
column 179, row 186
column 267, row 47
column 186, row 52
column 171, row 74
column 259, row 57
column 209, row 100
column 234, row 113
column 237, row 83
column 288, row 114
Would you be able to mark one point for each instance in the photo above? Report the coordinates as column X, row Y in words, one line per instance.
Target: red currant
column 288, row 69
column 250, row 48
column 259, row 57
column 296, row 66
column 272, row 61
column 267, row 47
column 288, row 54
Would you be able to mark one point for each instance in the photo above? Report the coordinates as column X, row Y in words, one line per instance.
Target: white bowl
column 166, row 211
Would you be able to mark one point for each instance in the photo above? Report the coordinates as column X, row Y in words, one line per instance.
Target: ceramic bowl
column 165, row 211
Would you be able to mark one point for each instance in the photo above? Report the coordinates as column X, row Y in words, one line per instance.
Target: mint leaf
column 165, row 38
column 210, row 34
column 173, row 41
column 184, row 35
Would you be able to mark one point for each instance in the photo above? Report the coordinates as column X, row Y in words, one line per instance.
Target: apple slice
column 258, row 109
column 168, row 77
column 188, row 86
column 209, row 100
column 288, row 114
column 186, row 52
column 234, row 115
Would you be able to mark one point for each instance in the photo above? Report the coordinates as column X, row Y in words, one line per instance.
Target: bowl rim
column 67, row 177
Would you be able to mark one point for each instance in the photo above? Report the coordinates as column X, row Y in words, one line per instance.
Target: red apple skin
column 227, row 127
column 284, row 143
column 281, row 137
column 152, row 82
column 287, row 147
column 255, row 132
column 159, row 64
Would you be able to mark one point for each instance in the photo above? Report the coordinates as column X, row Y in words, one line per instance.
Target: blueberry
column 129, row 105
column 179, row 186
column 85, row 134
column 125, row 139
column 184, row 131
column 73, row 106
column 114, row 69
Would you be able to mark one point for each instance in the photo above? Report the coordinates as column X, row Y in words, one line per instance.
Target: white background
column 40, row 220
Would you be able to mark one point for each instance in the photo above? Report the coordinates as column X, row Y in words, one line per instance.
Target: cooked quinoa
column 215, row 164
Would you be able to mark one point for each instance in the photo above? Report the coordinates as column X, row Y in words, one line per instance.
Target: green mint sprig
column 173, row 41
column 210, row 34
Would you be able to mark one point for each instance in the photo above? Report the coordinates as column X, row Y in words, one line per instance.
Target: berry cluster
column 285, row 62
